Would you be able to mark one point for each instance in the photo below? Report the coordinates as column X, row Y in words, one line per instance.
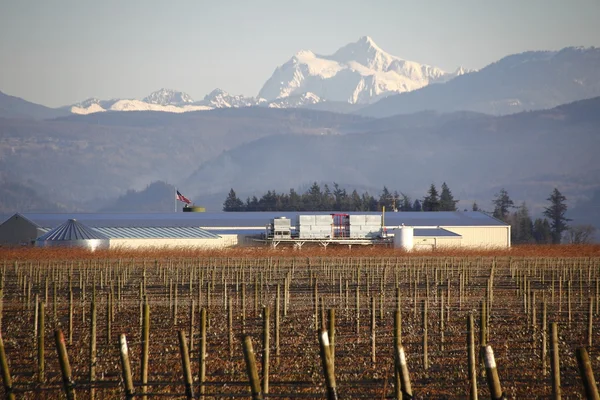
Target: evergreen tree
column 312, row 198
column 405, row 203
column 327, row 200
column 342, row 202
column 268, row 202
column 541, row 231
column 355, row 201
column 386, row 200
column 556, row 214
column 417, row 206
column 502, row 205
column 233, row 203
column 368, row 202
column 252, row 205
column 521, row 226
column 447, row 202
column 295, row 201
column 431, row 202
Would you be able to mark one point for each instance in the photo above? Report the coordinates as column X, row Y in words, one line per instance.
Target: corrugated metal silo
column 73, row 234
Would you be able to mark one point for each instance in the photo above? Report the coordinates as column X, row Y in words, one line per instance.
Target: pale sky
column 64, row 51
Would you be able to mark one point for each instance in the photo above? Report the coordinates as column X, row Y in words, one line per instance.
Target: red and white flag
column 182, row 198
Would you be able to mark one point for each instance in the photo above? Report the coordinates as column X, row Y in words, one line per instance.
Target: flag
column 182, row 198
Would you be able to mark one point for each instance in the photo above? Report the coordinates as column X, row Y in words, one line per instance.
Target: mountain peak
column 367, row 41
column 216, row 93
column 359, row 72
column 219, row 98
column 166, row 97
column 365, row 52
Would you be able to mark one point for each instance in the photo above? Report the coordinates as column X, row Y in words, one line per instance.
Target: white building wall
column 482, row 236
column 446, row 242
column 147, row 243
column 435, row 242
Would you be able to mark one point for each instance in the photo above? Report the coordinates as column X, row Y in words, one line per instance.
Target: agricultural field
column 167, row 305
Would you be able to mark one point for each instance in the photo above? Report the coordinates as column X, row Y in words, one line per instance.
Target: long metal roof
column 252, row 219
column 158, row 233
column 72, row 230
column 435, row 232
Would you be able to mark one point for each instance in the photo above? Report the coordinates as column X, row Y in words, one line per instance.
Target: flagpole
column 175, row 200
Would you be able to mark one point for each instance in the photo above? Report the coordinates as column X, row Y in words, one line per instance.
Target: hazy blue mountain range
column 96, row 157
column 15, row 107
column 362, row 78
column 528, row 153
column 520, row 82
column 87, row 162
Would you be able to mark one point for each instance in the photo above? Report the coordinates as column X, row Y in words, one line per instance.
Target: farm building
column 220, row 229
column 121, row 230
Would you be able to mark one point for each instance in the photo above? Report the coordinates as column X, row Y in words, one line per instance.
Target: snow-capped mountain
column 169, row 101
column 296, row 101
column 162, row 100
column 165, row 97
column 359, row 72
column 221, row 99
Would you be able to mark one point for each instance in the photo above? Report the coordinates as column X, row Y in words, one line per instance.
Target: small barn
column 19, row 230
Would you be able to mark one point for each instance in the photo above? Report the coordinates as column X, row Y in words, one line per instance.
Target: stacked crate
column 365, row 226
column 315, row 226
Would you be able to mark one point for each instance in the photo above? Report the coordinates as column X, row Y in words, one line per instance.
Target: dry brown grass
column 56, row 253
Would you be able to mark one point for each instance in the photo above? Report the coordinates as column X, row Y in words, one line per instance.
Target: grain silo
column 73, row 234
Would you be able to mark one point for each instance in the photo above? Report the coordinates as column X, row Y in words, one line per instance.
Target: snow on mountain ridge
column 167, row 100
column 219, row 98
column 359, row 72
column 165, row 97
column 365, row 52
column 295, row 101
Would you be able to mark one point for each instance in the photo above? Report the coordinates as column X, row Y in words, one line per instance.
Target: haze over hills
column 85, row 162
column 362, row 78
column 520, row 82
column 15, row 107
column 477, row 154
column 90, row 158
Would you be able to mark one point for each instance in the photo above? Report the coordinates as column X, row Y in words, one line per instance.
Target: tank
column 404, row 238
column 73, row 234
